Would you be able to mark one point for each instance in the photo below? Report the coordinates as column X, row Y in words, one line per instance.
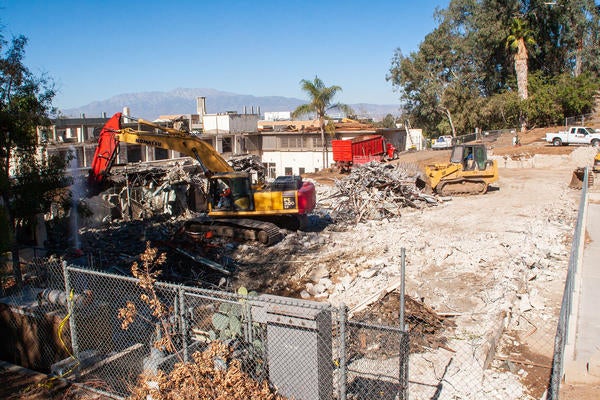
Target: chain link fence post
column 70, row 311
column 343, row 310
column 404, row 342
column 183, row 322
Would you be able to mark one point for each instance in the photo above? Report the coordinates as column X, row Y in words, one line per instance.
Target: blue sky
column 94, row 50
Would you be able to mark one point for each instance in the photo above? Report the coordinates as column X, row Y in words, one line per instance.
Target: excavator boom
column 185, row 143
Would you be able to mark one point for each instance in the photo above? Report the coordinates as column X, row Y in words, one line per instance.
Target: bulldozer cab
column 471, row 156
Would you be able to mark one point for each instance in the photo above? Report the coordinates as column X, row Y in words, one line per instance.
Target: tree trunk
column 521, row 69
column 324, row 143
column 9, row 236
column 578, row 56
column 449, row 116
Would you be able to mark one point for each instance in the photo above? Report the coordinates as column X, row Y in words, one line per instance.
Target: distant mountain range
column 149, row 105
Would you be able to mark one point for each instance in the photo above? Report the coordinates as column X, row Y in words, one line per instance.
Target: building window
column 134, row 153
column 288, row 171
column 291, row 142
column 161, row 154
column 226, row 143
column 284, row 143
column 301, row 171
column 44, row 136
column 269, row 142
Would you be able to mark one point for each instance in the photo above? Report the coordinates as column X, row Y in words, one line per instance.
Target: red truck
column 361, row 150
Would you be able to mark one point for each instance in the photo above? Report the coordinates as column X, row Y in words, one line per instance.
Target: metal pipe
column 60, row 297
column 402, row 285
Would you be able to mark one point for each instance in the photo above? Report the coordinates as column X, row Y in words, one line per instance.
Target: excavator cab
column 231, row 192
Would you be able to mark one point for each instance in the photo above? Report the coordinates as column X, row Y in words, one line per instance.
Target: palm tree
column 520, row 36
column 321, row 98
column 518, row 40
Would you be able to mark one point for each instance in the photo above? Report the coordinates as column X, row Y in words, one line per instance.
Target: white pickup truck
column 442, row 142
column 575, row 135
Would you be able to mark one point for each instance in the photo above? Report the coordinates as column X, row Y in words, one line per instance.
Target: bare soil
column 469, row 254
column 472, row 253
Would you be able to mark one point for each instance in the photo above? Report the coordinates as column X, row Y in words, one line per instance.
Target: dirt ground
column 495, row 262
column 474, row 265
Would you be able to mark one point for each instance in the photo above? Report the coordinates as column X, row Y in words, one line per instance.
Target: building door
column 270, row 170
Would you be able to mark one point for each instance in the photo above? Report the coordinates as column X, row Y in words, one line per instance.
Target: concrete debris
column 143, row 191
column 375, row 191
column 248, row 163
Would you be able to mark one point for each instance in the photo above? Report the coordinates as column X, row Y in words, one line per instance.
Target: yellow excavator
column 468, row 172
column 236, row 207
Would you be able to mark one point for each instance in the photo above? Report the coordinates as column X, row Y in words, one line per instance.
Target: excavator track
column 462, row 187
column 240, row 229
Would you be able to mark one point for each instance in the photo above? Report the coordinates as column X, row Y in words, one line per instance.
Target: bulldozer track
column 462, row 187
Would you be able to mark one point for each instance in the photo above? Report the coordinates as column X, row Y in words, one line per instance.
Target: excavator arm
column 171, row 139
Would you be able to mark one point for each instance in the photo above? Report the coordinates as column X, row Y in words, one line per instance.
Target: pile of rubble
column 250, row 163
column 375, row 191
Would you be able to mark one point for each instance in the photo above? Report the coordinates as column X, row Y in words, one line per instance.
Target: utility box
column 299, row 351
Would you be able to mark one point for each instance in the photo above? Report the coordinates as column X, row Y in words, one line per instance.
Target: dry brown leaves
column 212, row 375
column 147, row 274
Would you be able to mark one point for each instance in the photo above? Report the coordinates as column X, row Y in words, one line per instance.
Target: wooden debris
column 375, row 191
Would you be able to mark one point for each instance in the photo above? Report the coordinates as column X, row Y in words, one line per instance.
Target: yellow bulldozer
column 468, row 172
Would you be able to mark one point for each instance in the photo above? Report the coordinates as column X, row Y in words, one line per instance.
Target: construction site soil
column 490, row 266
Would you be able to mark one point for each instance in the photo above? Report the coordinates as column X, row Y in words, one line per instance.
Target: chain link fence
column 113, row 334
column 562, row 331
column 579, row 119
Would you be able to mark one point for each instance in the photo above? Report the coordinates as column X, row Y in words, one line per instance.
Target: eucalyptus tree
column 320, row 101
column 25, row 174
column 583, row 29
column 462, row 75
column 437, row 80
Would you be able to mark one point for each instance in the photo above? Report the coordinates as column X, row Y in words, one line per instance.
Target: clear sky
column 94, row 50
